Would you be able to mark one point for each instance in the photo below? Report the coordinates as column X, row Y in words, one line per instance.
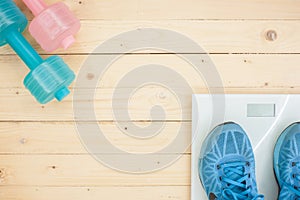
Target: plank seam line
column 77, row 186
column 184, row 53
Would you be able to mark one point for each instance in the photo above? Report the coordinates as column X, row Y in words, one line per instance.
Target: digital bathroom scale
column 262, row 116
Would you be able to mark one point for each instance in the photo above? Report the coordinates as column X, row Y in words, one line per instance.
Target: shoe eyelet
column 220, row 178
column 294, row 175
column 247, row 164
column 293, row 164
column 218, row 167
column 249, row 176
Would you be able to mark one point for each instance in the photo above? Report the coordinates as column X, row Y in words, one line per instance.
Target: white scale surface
column 263, row 117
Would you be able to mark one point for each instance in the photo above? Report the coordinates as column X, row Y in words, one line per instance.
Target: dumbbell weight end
column 68, row 41
column 62, row 93
column 53, row 26
column 50, row 80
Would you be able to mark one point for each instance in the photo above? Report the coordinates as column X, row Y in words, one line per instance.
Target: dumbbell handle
column 20, row 45
column 36, row 6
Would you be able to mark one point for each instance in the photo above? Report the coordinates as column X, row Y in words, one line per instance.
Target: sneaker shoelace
column 235, row 180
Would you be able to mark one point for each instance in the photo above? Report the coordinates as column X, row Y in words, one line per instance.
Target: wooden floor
column 255, row 45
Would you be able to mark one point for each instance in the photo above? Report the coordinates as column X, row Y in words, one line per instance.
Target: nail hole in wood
column 271, row 35
column 23, row 141
column 90, row 76
column 162, row 95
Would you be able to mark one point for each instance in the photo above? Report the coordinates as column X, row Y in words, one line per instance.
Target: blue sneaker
column 287, row 162
column 227, row 166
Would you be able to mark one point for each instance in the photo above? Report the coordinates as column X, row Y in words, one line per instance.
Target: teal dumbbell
column 48, row 79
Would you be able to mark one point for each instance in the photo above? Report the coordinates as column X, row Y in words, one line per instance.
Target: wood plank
column 214, row 36
column 95, row 193
column 63, row 138
column 239, row 73
column 79, row 170
column 251, row 71
column 189, row 9
column 18, row 105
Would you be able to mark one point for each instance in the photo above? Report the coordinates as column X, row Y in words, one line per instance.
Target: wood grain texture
column 189, row 9
column 95, row 193
column 84, row 170
column 24, row 108
column 50, row 138
column 214, row 36
column 235, row 70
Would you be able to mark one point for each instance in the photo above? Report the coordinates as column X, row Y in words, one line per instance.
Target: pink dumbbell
column 53, row 26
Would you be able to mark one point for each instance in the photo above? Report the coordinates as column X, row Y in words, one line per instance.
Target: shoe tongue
column 232, row 158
